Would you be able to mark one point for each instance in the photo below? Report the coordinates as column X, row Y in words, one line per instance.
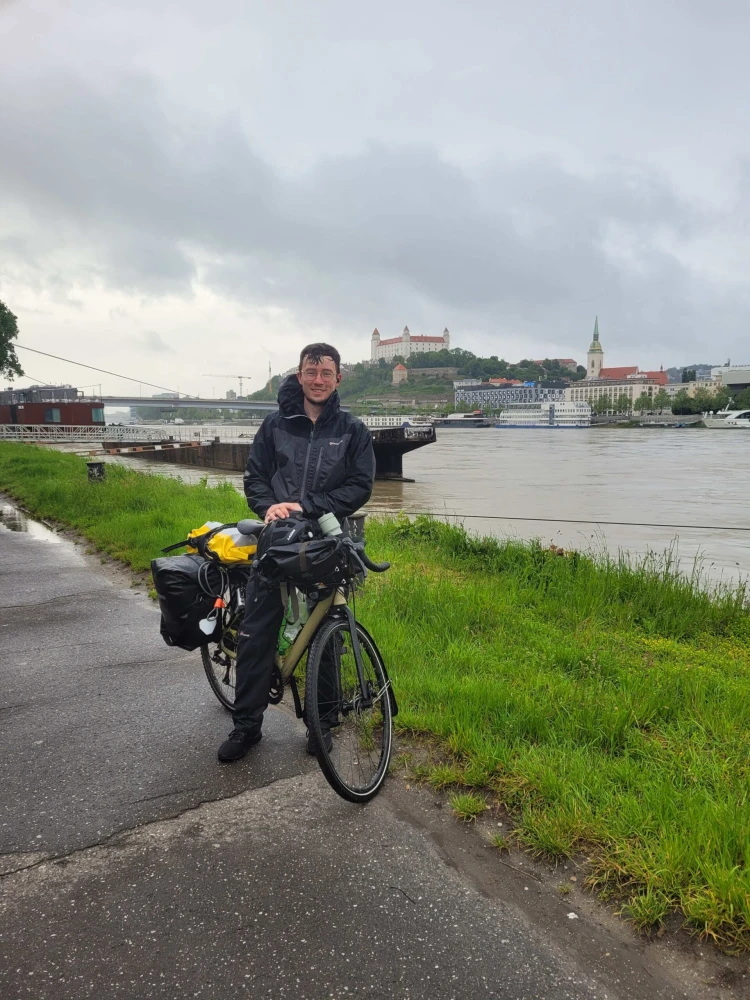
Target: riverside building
column 492, row 395
column 612, row 383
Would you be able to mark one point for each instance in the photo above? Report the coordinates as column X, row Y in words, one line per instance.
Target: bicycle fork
column 364, row 689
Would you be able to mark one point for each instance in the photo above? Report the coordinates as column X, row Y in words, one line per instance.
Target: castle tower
column 374, row 345
column 406, row 341
column 595, row 357
column 446, row 339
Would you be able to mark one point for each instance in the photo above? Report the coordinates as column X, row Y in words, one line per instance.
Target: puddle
column 13, row 520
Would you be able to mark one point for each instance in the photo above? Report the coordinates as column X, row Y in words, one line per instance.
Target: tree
column 662, row 401
column 741, row 400
column 601, row 406
column 623, row 404
column 721, row 398
column 688, row 375
column 10, row 366
column 682, row 403
column 643, row 403
column 704, row 400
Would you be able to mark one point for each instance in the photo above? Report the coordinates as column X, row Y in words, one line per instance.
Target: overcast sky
column 190, row 188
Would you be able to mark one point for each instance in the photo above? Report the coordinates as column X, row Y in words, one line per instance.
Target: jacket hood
column 292, row 402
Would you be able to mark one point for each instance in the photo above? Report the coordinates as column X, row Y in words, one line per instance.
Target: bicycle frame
column 293, row 655
column 287, row 662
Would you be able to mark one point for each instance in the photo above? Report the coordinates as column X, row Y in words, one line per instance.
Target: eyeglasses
column 310, row 374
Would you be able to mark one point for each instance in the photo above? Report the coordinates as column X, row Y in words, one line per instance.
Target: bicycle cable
column 204, row 583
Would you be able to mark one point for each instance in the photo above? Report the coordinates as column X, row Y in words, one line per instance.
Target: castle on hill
column 406, row 344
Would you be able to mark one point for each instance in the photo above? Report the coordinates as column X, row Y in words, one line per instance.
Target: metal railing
column 69, row 434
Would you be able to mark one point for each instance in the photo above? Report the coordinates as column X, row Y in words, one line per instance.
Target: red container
column 63, row 412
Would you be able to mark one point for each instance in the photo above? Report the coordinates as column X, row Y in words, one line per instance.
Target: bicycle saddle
column 250, row 527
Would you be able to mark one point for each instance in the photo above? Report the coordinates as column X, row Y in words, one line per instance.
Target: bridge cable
column 93, row 368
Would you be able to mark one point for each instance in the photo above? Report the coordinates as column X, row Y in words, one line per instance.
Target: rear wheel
column 220, row 659
column 221, row 672
column 353, row 728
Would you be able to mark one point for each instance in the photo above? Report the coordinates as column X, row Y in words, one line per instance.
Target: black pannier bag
column 294, row 549
column 182, row 600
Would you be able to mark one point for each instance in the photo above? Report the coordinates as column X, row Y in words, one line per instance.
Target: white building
column 591, row 391
column 733, row 377
column 491, row 397
column 405, row 345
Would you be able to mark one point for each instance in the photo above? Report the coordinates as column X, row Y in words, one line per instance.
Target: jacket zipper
column 317, row 470
column 307, row 462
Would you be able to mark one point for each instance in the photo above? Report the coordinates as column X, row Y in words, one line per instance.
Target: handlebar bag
column 293, row 549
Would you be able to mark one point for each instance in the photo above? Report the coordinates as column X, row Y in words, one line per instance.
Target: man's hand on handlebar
column 278, row 511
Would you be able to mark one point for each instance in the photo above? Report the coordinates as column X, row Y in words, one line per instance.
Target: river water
column 639, row 490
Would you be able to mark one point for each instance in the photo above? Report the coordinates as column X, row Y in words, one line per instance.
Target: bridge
column 165, row 403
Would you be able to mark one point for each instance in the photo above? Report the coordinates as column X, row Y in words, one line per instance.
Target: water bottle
column 293, row 626
column 329, row 525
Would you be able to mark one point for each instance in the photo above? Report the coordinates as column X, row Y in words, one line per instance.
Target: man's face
column 318, row 380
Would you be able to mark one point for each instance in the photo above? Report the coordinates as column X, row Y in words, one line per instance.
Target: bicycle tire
column 223, row 689
column 352, row 733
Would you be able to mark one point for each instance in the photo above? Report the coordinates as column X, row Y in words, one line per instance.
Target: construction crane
column 240, row 377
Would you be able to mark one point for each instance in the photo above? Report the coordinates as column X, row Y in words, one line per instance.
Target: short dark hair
column 317, row 351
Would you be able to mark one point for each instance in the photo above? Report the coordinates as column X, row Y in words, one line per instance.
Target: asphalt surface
column 136, row 866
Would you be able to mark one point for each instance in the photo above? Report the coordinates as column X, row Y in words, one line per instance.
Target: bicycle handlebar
column 375, row 567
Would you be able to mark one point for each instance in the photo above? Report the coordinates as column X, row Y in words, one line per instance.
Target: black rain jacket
column 326, row 466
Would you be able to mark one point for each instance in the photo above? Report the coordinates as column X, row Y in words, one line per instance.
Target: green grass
column 648, row 909
column 129, row 516
column 605, row 706
column 467, row 806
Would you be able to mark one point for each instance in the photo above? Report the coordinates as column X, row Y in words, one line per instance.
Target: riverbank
column 604, row 706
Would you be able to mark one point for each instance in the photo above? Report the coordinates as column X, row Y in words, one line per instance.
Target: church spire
column 595, row 359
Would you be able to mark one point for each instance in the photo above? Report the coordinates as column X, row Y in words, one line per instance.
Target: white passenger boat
column 547, row 414
column 725, row 419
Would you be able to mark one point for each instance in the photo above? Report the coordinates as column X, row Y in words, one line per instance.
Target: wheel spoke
column 221, row 672
column 360, row 743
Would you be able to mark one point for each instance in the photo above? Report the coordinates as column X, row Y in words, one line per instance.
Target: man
column 310, row 458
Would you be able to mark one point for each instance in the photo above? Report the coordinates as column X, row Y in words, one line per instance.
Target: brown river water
column 639, row 490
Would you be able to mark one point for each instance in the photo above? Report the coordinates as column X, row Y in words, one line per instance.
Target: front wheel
column 352, row 724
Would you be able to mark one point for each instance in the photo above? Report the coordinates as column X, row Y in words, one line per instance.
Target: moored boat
column 546, row 414
column 726, row 419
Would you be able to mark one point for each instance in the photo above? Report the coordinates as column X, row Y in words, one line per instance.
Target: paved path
column 137, row 867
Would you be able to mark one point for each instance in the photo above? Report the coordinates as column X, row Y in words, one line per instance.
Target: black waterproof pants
column 256, row 652
column 259, row 635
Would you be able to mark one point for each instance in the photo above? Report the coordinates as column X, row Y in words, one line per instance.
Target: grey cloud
column 153, row 342
column 150, row 201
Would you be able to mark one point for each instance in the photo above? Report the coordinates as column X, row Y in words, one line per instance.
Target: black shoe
column 312, row 743
column 236, row 745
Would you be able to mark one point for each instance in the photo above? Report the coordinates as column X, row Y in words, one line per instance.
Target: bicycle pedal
column 276, row 692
